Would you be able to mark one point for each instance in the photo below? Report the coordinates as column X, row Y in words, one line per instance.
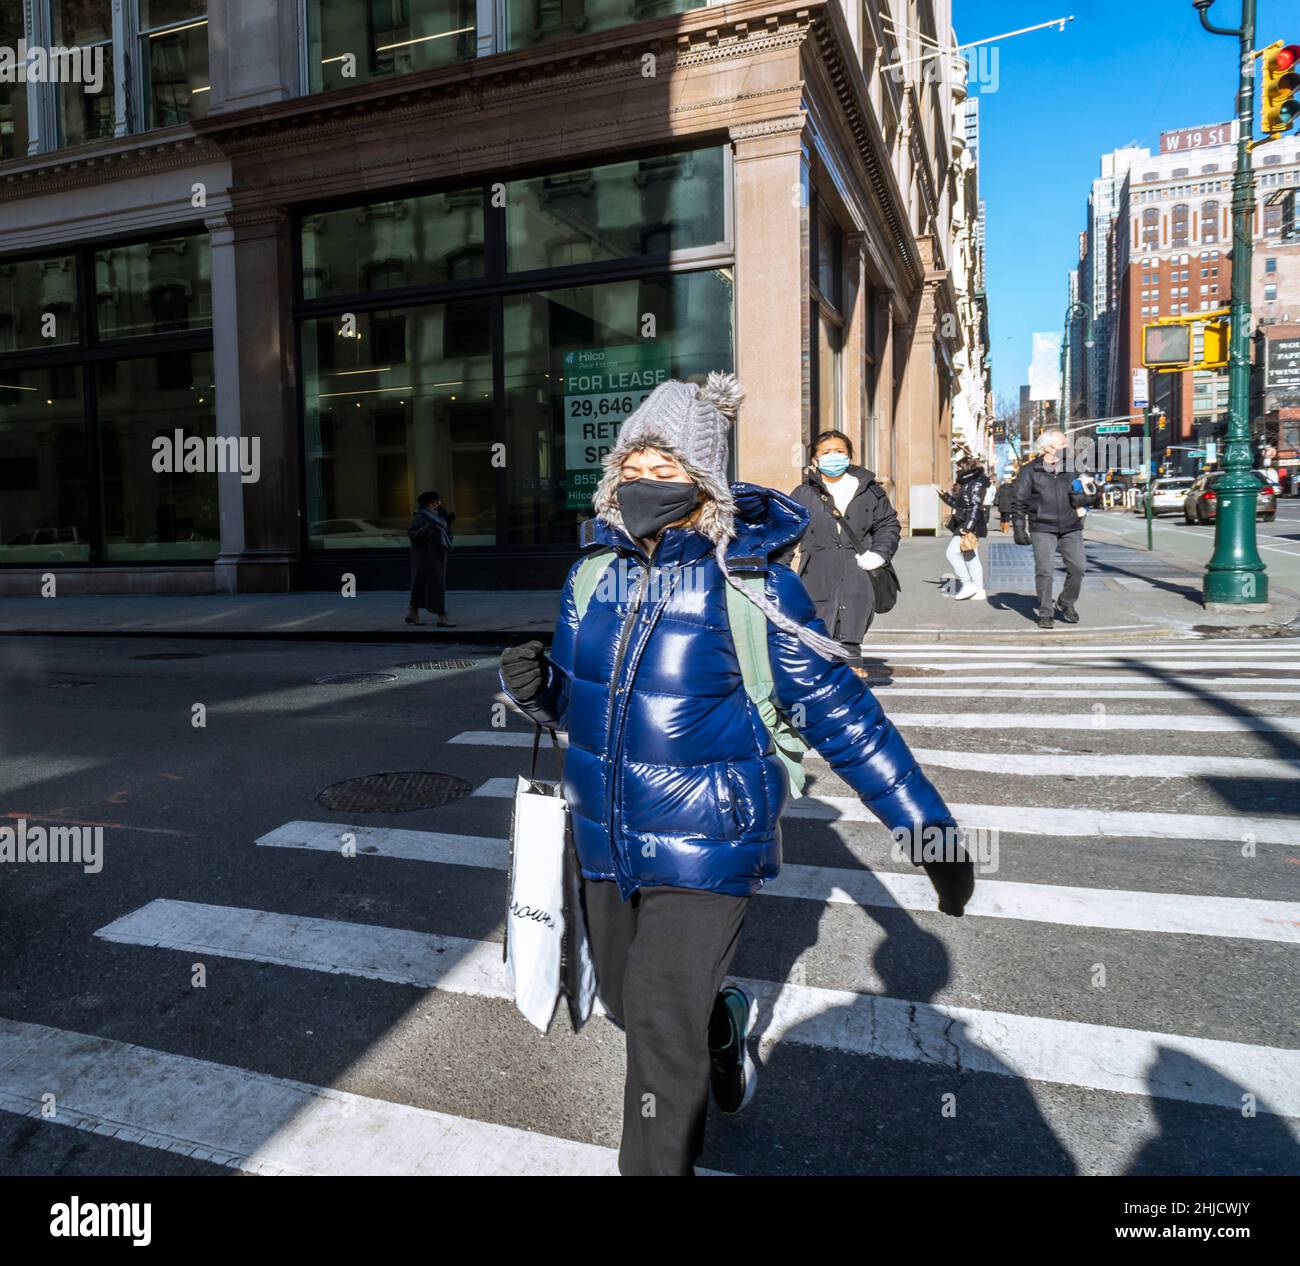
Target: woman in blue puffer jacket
column 672, row 779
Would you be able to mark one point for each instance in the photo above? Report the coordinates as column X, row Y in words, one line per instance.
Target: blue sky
column 1121, row 73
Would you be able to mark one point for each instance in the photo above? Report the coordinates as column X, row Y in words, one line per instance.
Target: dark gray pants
column 660, row 959
column 1045, row 546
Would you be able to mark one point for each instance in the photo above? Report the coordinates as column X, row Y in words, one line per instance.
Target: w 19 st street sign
column 1120, row 428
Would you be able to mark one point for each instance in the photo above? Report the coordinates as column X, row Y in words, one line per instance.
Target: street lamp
column 1076, row 305
column 1235, row 573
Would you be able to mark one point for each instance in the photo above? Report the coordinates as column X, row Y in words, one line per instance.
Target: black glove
column 1021, row 531
column 523, row 669
column 954, row 882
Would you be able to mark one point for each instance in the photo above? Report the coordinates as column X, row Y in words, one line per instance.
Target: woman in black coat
column 430, row 533
column 968, row 522
column 853, row 531
column 1006, row 492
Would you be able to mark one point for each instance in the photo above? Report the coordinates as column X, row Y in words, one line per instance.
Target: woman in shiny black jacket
column 968, row 522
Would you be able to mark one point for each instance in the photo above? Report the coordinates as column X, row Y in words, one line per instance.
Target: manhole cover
column 394, row 793
column 354, row 679
column 172, row 655
column 433, row 665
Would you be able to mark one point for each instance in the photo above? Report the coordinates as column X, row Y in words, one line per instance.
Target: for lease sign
column 603, row 386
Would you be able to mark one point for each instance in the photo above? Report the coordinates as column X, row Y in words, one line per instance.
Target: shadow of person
column 1022, row 604
column 862, row 1073
column 1211, row 1138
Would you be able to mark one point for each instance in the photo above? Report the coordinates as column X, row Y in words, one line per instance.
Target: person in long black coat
column 430, row 533
column 835, row 570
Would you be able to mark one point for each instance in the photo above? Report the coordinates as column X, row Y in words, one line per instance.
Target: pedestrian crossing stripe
column 1192, row 723
column 257, row 1123
column 1036, row 819
column 1063, row 1052
column 1172, row 913
column 1038, row 765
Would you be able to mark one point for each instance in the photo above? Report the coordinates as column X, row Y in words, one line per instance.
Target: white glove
column 869, row 560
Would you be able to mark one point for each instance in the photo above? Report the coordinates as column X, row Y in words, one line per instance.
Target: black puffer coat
column 1045, row 498
column 841, row 591
column 967, row 501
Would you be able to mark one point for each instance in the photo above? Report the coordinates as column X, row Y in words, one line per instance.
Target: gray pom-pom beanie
column 693, row 424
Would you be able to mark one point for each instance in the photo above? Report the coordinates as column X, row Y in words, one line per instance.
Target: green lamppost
column 1077, row 306
column 1235, row 573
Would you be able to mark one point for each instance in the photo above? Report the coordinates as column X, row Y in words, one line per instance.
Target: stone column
column 771, row 300
column 853, row 352
column 253, row 349
column 254, row 53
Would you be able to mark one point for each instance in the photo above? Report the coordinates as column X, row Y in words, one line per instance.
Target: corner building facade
column 453, row 250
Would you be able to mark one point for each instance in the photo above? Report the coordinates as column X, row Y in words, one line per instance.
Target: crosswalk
column 1132, row 944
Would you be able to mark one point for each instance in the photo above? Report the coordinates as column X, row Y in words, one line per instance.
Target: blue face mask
column 833, row 464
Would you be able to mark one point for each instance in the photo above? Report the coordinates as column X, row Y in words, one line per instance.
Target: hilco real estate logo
column 35, row 64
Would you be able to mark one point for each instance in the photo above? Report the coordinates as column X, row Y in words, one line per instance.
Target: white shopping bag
column 546, row 947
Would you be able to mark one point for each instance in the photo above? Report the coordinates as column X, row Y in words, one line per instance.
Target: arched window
column 1209, row 221
column 1178, row 224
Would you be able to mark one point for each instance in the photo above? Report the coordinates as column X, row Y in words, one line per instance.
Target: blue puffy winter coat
column 671, row 775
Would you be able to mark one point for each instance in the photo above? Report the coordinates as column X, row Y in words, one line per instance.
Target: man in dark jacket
column 673, row 784
column 1046, row 512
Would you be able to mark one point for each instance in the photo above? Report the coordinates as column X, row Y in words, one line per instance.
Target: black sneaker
column 731, row 1070
column 1045, row 622
column 1067, row 613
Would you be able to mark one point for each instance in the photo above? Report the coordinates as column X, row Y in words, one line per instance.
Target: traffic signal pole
column 1235, row 574
column 1149, row 460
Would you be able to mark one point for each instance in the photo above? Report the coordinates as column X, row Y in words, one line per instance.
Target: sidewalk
column 1128, row 593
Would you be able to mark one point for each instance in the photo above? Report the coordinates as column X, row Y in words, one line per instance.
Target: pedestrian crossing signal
column 1167, row 347
column 1279, row 108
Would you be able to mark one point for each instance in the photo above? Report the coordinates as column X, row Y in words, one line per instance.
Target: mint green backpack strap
column 749, row 633
column 588, row 577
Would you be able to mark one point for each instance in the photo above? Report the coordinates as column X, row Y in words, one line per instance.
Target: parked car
column 1167, row 496
column 1201, row 501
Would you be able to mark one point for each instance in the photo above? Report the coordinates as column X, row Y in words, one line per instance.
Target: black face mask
column 648, row 505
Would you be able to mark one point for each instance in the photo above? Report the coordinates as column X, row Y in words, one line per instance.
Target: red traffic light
column 1286, row 57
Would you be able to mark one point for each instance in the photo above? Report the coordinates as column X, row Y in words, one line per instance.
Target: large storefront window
column 152, row 515
column 101, row 418
column 645, row 207
column 354, row 41
column 577, row 363
column 396, row 404
column 44, row 498
column 38, row 303
column 499, row 394
column 422, row 241
column 536, row 21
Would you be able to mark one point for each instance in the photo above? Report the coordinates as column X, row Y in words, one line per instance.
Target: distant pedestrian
column 431, row 539
column 968, row 522
column 1047, row 512
column 1006, row 491
column 853, row 533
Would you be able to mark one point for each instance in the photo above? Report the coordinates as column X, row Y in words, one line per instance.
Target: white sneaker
column 969, row 591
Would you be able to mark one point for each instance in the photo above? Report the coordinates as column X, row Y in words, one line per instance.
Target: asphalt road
column 1278, row 542
column 1126, row 975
